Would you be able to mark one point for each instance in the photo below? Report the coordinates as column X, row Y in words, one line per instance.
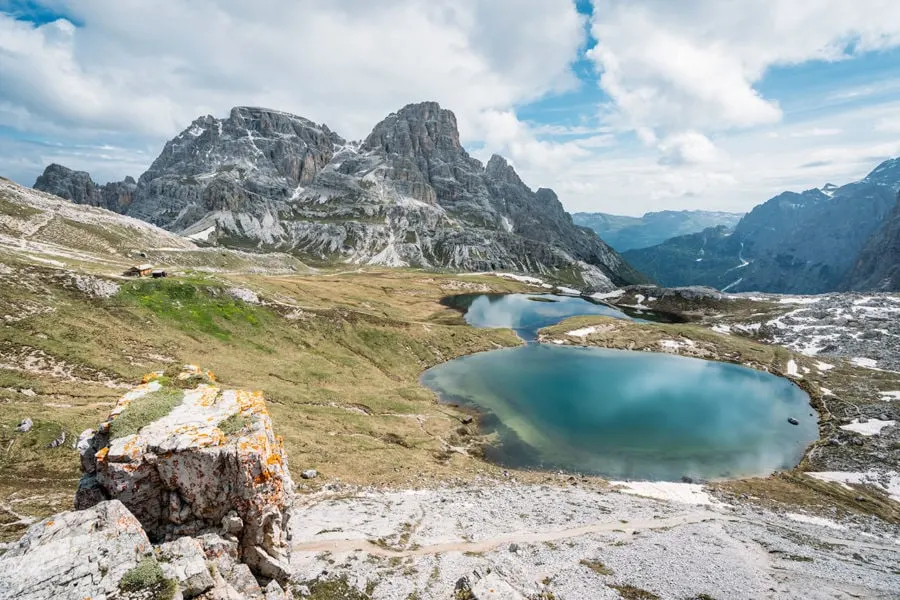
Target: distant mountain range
column 627, row 233
column 820, row 240
column 408, row 195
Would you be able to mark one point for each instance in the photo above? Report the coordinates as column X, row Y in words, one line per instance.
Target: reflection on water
column 526, row 313
column 627, row 414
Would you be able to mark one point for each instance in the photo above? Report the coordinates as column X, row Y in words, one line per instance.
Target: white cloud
column 691, row 66
column 505, row 134
column 149, row 68
column 685, row 124
column 688, row 148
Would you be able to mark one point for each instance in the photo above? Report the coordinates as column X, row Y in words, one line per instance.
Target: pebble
column 309, row 474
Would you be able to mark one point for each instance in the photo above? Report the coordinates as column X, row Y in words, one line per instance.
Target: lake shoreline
column 826, row 385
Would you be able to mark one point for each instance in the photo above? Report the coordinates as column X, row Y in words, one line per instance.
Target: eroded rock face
column 74, row 555
column 408, row 195
column 214, row 455
column 78, row 187
column 878, row 266
column 184, row 561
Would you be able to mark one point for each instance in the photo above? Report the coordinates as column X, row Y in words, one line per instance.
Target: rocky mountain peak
column 78, row 187
column 423, row 129
column 410, row 194
column 268, row 122
column 499, row 170
column 887, row 173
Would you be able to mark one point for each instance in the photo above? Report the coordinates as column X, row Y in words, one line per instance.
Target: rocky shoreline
column 857, row 451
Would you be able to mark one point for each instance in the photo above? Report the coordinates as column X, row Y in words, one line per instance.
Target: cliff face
column 408, row 195
column 78, row 187
column 878, row 266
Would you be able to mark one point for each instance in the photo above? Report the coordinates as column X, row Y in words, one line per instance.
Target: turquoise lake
column 527, row 313
column 626, row 415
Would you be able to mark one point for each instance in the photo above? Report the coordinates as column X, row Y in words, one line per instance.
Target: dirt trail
column 519, row 537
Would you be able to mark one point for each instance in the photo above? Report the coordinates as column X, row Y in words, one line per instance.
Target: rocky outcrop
column 74, row 555
column 409, row 195
column 207, row 461
column 878, row 266
column 78, row 187
column 183, row 560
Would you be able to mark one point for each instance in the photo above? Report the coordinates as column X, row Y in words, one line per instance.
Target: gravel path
column 538, row 538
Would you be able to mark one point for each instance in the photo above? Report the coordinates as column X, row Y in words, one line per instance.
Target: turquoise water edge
column 625, row 415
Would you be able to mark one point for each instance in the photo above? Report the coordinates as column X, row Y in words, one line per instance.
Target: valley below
column 403, row 503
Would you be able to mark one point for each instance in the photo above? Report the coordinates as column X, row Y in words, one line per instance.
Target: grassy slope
column 338, row 357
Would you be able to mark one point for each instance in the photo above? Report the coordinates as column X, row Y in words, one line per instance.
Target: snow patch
column 866, row 363
column 516, row 277
column 823, row 366
column 792, row 369
column 888, row 396
column 870, row 427
column 583, row 332
column 202, row 235
column 812, row 520
column 568, row 290
column 685, row 493
column 732, row 284
column 889, row 482
column 722, row 328
column 608, row 295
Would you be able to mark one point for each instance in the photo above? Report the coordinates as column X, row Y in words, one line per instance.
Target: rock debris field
column 862, row 328
column 576, row 542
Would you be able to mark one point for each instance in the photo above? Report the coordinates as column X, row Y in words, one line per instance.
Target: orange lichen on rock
column 151, row 376
column 208, row 395
column 181, row 474
column 251, row 402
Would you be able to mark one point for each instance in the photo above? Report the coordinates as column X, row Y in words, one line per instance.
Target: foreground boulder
column 188, row 461
column 75, row 555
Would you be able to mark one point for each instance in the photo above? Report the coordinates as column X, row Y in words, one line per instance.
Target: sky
column 620, row 106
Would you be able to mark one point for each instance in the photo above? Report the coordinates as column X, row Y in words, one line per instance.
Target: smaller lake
column 626, row 415
column 526, row 313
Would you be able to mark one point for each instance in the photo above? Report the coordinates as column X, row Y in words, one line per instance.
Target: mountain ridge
column 807, row 242
column 407, row 195
column 652, row 228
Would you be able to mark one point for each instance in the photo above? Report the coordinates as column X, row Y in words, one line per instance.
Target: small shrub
column 234, row 424
column 629, row 592
column 145, row 410
column 332, row 589
column 597, row 567
column 148, row 576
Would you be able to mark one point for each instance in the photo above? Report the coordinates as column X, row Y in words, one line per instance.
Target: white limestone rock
column 184, row 561
column 74, row 555
column 182, row 474
column 494, row 587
